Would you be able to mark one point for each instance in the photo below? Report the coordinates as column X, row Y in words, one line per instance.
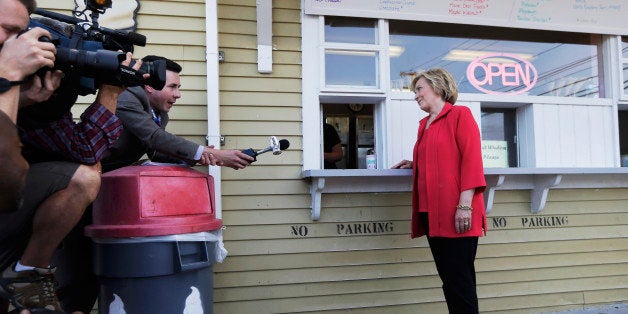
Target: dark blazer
column 142, row 135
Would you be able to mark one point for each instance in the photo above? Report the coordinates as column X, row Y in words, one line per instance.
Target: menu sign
column 587, row 16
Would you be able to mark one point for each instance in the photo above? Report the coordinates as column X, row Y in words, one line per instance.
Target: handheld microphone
column 275, row 146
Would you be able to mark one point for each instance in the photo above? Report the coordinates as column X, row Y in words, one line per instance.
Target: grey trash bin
column 154, row 233
column 149, row 276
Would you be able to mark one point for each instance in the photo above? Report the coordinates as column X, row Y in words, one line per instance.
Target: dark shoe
column 31, row 289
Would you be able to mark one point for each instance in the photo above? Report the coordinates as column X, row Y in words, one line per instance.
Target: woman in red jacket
column 448, row 185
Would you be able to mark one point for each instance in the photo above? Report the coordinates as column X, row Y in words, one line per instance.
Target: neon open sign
column 490, row 72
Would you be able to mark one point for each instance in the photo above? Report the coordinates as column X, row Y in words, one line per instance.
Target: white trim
column 518, row 99
column 310, row 43
column 264, row 36
column 213, row 105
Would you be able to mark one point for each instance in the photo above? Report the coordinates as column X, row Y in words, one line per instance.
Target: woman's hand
column 404, row 164
column 463, row 220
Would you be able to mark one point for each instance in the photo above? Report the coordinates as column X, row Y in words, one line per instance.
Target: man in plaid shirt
column 63, row 180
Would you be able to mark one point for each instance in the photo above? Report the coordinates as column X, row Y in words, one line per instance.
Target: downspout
column 213, row 98
column 264, row 36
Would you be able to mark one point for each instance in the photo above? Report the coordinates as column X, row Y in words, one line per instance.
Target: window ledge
column 538, row 180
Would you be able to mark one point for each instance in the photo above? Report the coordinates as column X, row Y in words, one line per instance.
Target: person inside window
column 332, row 146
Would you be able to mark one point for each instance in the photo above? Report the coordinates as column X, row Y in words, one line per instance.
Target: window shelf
column 538, row 180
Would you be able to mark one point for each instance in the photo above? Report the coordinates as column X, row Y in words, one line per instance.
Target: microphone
column 275, row 146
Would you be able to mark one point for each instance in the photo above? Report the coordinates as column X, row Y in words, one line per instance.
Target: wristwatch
column 5, row 84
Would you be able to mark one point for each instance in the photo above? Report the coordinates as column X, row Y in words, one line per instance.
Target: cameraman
column 63, row 179
column 19, row 57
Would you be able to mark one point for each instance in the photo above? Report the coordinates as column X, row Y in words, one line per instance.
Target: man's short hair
column 30, row 5
column 170, row 65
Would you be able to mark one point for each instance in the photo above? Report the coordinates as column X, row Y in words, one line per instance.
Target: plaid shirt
column 84, row 142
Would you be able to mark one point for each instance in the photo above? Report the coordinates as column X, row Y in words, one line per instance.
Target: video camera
column 89, row 54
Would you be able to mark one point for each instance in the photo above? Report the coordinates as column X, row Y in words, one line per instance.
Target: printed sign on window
column 495, row 154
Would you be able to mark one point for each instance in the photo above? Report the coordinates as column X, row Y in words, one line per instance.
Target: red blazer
column 454, row 164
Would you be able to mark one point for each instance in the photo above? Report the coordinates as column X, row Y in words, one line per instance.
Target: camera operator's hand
column 24, row 54
column 39, row 89
column 108, row 94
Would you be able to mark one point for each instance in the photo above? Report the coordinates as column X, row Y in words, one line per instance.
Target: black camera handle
column 128, row 36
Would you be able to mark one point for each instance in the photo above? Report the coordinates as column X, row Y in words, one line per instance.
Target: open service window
column 537, row 95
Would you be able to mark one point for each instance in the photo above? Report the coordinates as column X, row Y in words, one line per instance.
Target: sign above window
column 502, row 70
column 596, row 17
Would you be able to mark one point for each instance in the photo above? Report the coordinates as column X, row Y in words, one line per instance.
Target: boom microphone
column 275, row 146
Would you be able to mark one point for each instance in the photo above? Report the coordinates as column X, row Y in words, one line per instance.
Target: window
column 499, row 137
column 351, row 53
column 494, row 60
column 354, row 125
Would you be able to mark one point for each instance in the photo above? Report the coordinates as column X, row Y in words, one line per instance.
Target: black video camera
column 89, row 55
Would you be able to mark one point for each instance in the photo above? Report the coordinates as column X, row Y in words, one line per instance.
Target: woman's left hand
column 462, row 220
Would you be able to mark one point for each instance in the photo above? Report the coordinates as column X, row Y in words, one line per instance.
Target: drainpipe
column 264, row 36
column 213, row 106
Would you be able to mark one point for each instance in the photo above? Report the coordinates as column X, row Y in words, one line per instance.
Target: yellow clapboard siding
column 237, row 41
column 196, row 69
column 239, row 27
column 320, row 230
column 427, row 283
column 237, row 55
column 183, row 23
column 265, row 113
column 553, row 286
column 181, row 127
column 252, row 128
column 244, row 69
column 553, row 247
column 262, row 187
column 164, row 37
column 356, row 302
column 490, row 305
column 588, row 194
column 262, row 141
column 171, row 8
column 287, row 15
column 276, row 172
column 231, row 12
column 183, row 111
column 333, row 274
column 56, row 5
column 288, row 245
column 264, row 202
column 265, row 216
column 410, row 254
column 342, row 280
column 250, row 42
column 560, row 208
column 606, row 296
column 339, row 205
column 325, row 259
column 387, row 241
column 286, row 29
column 288, row 4
column 258, row 99
column 302, row 215
column 277, row 85
column 556, row 234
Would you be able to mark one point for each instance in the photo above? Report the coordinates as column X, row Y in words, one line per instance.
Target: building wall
column 358, row 256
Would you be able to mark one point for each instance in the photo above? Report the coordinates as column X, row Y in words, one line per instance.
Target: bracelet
column 464, row 207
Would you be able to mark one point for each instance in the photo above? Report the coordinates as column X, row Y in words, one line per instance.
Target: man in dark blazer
column 144, row 115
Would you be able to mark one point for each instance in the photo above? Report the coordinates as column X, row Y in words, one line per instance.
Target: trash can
column 156, row 237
